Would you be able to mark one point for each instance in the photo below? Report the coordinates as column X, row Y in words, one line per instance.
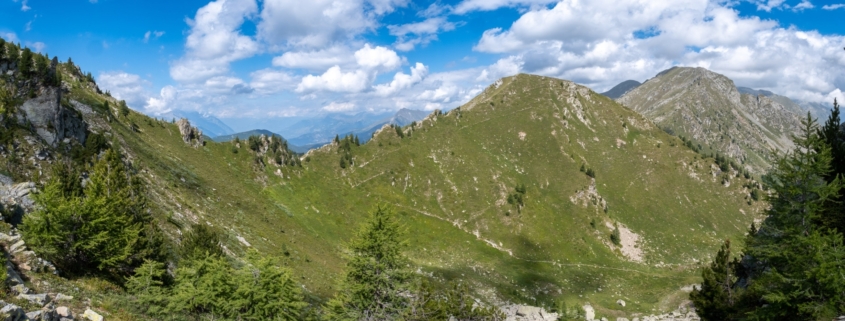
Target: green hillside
column 449, row 179
column 453, row 179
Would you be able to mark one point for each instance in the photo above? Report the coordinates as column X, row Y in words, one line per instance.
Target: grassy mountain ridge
column 450, row 178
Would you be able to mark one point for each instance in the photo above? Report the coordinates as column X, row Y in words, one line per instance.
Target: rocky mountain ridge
column 708, row 109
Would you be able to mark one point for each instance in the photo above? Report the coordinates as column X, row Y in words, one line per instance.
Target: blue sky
column 245, row 60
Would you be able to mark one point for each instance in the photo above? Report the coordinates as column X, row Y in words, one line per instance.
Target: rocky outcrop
column 527, row 313
column 190, row 135
column 50, row 120
column 14, row 199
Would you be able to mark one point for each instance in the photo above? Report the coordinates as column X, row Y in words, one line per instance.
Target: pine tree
column 615, row 236
column 266, row 291
column 25, row 63
column 715, row 298
column 376, row 273
column 148, row 286
column 833, row 134
column 792, row 266
column 2, row 49
column 199, row 242
column 107, row 228
column 204, row 286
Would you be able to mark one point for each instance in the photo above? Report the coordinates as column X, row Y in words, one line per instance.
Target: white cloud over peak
column 369, row 62
column 636, row 39
column 316, row 59
column 268, row 81
column 402, row 80
column 214, row 40
column 335, row 80
column 833, row 6
column 315, row 24
column 162, row 104
column 419, row 33
column 125, row 86
column 377, row 58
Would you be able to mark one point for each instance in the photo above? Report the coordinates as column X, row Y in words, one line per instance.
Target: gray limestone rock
column 11, row 312
column 51, row 121
column 39, row 299
column 190, row 135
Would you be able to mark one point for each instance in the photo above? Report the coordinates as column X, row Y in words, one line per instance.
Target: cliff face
column 52, row 121
column 707, row 108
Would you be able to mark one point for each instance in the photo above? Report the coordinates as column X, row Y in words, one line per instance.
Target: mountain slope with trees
column 537, row 191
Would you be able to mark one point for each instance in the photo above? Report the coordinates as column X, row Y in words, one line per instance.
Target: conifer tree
column 792, row 266
column 376, row 273
column 715, row 298
column 204, row 286
column 148, row 286
column 107, row 229
column 266, row 291
column 25, row 63
column 199, row 242
column 833, row 134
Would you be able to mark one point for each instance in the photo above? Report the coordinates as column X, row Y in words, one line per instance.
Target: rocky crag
column 708, row 109
column 190, row 134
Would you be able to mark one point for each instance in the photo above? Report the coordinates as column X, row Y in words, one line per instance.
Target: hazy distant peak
column 751, row 91
column 622, row 88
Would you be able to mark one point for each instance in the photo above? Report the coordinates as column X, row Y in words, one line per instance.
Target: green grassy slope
column 448, row 180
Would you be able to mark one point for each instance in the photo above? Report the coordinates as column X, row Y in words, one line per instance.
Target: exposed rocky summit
column 707, row 108
column 190, row 135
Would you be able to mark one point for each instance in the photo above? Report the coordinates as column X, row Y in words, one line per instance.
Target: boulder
column 35, row 316
column 11, row 312
column 12, row 276
column 524, row 310
column 589, row 312
column 51, row 121
column 62, row 297
column 64, row 312
column 19, row 246
column 621, row 302
column 20, row 288
column 39, row 299
column 91, row 315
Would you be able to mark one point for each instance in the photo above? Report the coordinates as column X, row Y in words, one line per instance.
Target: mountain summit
column 708, row 109
column 622, row 88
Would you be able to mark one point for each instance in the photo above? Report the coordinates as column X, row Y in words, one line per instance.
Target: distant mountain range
column 324, row 129
column 817, row 110
column 320, row 131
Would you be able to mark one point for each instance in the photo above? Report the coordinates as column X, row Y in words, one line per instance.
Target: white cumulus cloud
column 214, row 40
column 402, row 80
